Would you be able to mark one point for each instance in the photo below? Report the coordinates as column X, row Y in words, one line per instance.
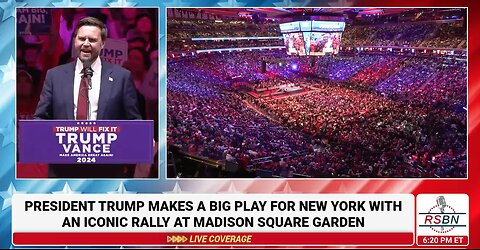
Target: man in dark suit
column 89, row 89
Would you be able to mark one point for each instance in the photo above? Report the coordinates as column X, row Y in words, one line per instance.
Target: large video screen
column 295, row 44
column 322, row 43
column 312, row 43
column 322, row 26
column 314, row 38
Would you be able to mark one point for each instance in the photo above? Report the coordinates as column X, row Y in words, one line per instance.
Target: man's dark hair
column 92, row 21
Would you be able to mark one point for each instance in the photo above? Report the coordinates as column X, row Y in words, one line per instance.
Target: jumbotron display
column 314, row 38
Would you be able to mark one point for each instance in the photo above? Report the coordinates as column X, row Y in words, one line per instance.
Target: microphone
column 441, row 203
column 88, row 72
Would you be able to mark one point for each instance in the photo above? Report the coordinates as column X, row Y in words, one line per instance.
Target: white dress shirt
column 94, row 92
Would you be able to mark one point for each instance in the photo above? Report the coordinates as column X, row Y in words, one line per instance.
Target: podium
column 85, row 142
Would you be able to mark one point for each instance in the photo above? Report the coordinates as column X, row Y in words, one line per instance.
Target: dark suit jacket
column 117, row 101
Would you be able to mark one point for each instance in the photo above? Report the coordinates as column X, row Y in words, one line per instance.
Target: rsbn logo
column 442, row 218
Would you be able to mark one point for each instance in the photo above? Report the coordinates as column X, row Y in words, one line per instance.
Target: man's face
column 88, row 43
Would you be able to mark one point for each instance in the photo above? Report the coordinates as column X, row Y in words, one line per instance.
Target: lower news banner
column 85, row 142
column 205, row 219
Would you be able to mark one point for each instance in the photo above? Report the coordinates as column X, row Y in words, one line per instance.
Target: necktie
column 82, row 101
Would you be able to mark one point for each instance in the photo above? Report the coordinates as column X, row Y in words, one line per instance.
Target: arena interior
column 279, row 92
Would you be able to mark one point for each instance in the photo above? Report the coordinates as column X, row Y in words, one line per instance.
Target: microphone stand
column 89, row 74
column 441, row 205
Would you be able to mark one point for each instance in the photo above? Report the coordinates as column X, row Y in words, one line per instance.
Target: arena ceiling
column 288, row 12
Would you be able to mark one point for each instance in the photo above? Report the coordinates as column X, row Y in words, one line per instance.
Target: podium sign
column 85, row 142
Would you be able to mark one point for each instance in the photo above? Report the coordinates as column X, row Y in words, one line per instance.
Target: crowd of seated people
column 412, row 34
column 411, row 77
column 412, row 74
column 336, row 130
column 244, row 64
column 453, row 31
column 417, row 80
column 205, row 119
column 430, row 34
column 382, row 68
column 413, row 15
column 357, row 35
column 182, row 35
column 422, row 34
column 367, row 129
column 236, row 24
column 186, row 29
column 342, row 67
column 447, row 88
column 187, row 46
